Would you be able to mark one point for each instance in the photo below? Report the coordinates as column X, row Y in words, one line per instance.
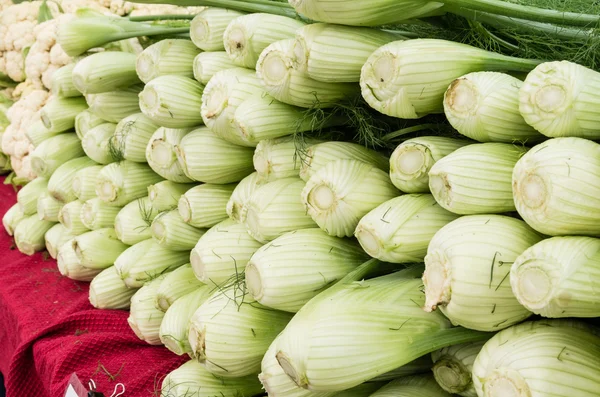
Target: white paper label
column 71, row 392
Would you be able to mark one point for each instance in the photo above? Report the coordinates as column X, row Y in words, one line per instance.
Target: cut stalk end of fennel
column 198, row 266
column 274, row 69
column 236, row 39
column 145, row 66
column 368, row 241
column 150, row 99
column 159, row 231
column 107, row 191
column 551, row 98
column 163, row 304
column 254, row 281
column 451, row 375
column 185, row 210
column 65, row 219
column 163, row 154
column 322, row 197
column 173, row 345
column 533, row 191
column 384, row 68
column 261, row 164
column 535, row 284
column 437, row 280
column 441, row 188
column 290, row 370
column 27, row 248
column 200, row 30
column 462, row 98
column 197, row 341
column 46, row 120
column 504, row 382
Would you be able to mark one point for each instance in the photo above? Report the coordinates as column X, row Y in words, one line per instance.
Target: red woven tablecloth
column 48, row 330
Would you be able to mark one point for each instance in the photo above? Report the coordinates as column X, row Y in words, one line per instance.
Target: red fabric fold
column 48, row 330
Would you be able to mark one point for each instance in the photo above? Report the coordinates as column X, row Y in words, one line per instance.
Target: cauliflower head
column 17, row 24
column 22, row 114
column 46, row 55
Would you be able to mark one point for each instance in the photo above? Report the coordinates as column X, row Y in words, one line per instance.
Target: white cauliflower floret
column 5, row 4
column 16, row 34
column 16, row 25
column 9, row 140
column 46, row 55
column 120, row 7
column 22, row 167
column 163, row 9
column 58, row 58
column 19, row 30
column 22, row 114
column 19, row 35
column 23, row 89
column 22, row 147
column 26, row 170
column 14, row 65
column 22, row 111
column 103, row 6
column 16, row 163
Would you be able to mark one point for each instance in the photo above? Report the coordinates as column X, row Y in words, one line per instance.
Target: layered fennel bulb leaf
column 248, row 35
column 384, row 327
column 557, row 99
column 411, row 161
column 193, row 379
column 557, row 277
column 175, row 324
column 453, row 366
column 274, row 209
column 344, row 191
column 566, row 355
column 556, row 187
column 408, row 79
column 484, row 106
column 353, row 13
column 399, row 230
column 476, row 179
column 467, row 270
column 222, row 253
column 412, row 386
column 287, row 272
column 231, row 332
column 208, row 26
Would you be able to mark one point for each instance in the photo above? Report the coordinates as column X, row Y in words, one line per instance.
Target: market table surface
column 48, row 330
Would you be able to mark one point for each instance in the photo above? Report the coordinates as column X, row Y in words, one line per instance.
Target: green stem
column 144, row 18
column 147, row 32
column 408, row 130
column 402, row 34
column 505, row 8
column 7, row 84
column 196, row 3
column 5, row 81
column 266, row 6
column 172, row 36
column 510, row 46
column 499, row 21
column 357, row 274
column 282, row 4
column 499, row 62
column 431, row 342
column 269, row 8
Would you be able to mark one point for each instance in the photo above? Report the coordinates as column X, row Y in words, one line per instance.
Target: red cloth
column 48, row 330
